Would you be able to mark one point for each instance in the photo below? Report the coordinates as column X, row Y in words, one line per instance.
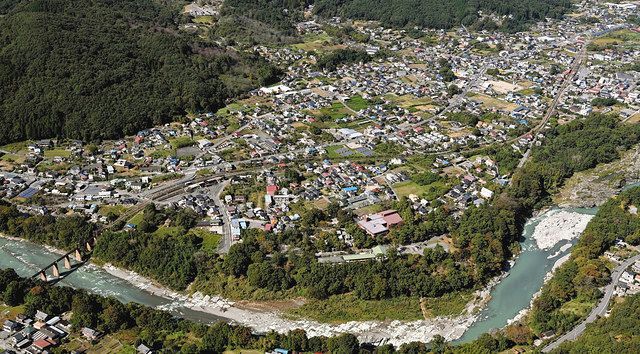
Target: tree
column 453, row 90
column 92, row 149
column 216, row 339
column 438, row 344
column 13, row 294
column 115, row 317
column 7, row 276
column 293, row 175
column 296, row 340
column 237, row 261
column 186, row 218
column 315, row 130
column 85, row 311
column 345, row 343
column 413, row 348
column 519, row 334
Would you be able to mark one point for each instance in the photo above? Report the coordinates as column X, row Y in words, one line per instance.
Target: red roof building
column 272, row 189
column 380, row 223
column 42, row 344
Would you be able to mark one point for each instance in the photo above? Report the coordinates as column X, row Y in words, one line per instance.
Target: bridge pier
column 56, row 270
column 67, row 262
column 78, row 254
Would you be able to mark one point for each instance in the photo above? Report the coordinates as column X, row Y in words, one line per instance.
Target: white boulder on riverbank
column 559, row 225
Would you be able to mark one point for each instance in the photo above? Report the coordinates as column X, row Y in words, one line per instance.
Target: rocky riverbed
column 595, row 186
column 394, row 332
column 559, row 225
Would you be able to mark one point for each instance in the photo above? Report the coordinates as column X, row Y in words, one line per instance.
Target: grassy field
column 166, row 177
column 232, row 107
column 167, row 231
column 624, row 36
column 10, row 312
column 57, row 152
column 181, row 141
column 344, row 308
column 410, row 101
column 357, row 103
column 406, row 188
column 117, row 210
column 527, row 92
column 15, row 147
column 15, row 158
column 107, row 345
column 429, row 192
column 300, row 126
column 314, row 42
column 336, row 111
column 210, row 240
column 370, row 209
column 136, row 219
column 205, row 20
column 448, row 305
column 163, row 153
column 577, row 307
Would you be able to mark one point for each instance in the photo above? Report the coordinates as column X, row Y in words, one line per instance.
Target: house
column 272, row 189
column 44, row 144
column 235, row 229
column 42, row 344
column 41, row 316
column 10, row 326
column 90, row 334
column 486, row 193
column 348, row 134
column 375, row 252
column 143, row 349
column 123, row 163
column 547, row 334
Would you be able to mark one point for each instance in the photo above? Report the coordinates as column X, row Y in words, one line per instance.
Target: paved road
column 226, row 241
column 577, row 63
column 597, row 311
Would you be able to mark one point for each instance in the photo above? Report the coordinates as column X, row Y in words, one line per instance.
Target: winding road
column 597, row 311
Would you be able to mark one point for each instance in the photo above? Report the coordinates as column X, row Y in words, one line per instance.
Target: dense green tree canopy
column 100, row 69
column 439, row 13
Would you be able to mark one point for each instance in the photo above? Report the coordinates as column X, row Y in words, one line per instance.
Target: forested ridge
column 96, row 69
column 442, row 14
column 401, row 13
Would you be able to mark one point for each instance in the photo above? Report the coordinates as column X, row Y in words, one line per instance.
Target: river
column 508, row 298
column 28, row 258
column 514, row 293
